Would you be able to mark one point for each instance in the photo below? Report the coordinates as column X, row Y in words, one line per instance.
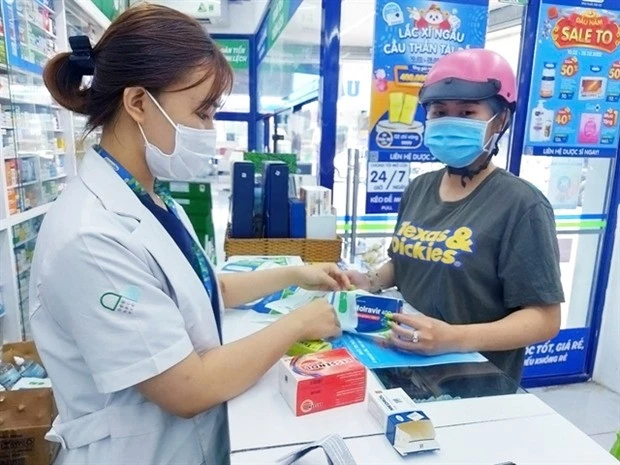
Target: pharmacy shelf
column 23, row 92
column 25, row 241
column 54, row 178
column 23, row 184
column 28, row 214
column 44, row 6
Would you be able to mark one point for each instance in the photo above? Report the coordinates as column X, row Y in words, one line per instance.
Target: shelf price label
column 610, row 118
column 563, row 116
column 387, row 177
column 570, row 67
column 614, row 71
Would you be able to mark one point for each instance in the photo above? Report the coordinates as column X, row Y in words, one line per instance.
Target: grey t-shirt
column 478, row 259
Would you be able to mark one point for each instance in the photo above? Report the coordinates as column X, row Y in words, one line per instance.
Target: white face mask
column 191, row 156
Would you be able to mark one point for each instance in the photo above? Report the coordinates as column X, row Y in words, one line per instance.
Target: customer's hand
column 316, row 320
column 423, row 335
column 322, row 277
column 359, row 280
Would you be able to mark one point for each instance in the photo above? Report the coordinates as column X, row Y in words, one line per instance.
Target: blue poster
column 410, row 36
column 563, row 355
column 574, row 100
column 373, row 356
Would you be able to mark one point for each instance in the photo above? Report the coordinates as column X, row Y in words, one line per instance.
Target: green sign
column 279, row 16
column 514, row 2
column 111, row 8
column 236, row 51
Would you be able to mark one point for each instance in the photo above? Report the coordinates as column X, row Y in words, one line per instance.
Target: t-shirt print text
column 445, row 246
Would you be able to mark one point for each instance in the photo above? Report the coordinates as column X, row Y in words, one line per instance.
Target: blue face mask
column 456, row 142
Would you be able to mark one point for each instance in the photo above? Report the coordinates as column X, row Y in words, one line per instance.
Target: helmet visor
column 459, row 89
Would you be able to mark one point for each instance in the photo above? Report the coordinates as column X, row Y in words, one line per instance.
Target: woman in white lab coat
column 126, row 311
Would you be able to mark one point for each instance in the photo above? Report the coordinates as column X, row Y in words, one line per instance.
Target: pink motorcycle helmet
column 471, row 74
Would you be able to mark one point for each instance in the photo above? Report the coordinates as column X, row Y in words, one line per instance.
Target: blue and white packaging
column 242, row 200
column 363, row 313
column 407, row 428
column 275, row 199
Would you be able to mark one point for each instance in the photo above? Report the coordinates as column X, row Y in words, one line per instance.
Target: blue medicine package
column 365, row 314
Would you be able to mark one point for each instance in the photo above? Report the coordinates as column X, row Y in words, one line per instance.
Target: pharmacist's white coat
column 98, row 240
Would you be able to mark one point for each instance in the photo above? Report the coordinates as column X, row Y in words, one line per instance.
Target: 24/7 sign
column 384, row 186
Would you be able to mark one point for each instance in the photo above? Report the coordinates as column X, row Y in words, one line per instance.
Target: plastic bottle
column 547, row 85
column 537, row 123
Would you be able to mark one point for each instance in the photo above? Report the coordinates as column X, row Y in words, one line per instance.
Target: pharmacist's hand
column 359, row 280
column 316, row 320
column 322, row 277
column 423, row 335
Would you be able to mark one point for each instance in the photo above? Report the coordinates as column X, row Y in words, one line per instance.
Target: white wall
column 607, row 368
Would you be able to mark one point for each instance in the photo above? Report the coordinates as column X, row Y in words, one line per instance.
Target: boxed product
column 322, row 381
column 26, row 415
column 363, row 313
column 318, row 200
column 407, row 428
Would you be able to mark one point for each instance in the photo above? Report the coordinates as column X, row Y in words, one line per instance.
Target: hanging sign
column 574, row 103
column 410, row 36
column 237, row 52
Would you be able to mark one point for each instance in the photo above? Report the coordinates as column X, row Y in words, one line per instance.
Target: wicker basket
column 310, row 250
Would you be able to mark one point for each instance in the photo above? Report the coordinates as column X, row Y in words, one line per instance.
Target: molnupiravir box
column 322, row 381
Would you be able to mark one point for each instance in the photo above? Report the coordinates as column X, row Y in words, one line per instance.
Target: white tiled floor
column 592, row 408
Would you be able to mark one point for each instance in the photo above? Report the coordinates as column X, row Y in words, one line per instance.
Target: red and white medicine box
column 321, row 381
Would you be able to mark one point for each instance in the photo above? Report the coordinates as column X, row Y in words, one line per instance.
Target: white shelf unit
column 38, row 141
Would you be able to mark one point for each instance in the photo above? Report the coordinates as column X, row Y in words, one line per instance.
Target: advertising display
column 565, row 354
column 410, row 36
column 574, row 102
column 236, row 51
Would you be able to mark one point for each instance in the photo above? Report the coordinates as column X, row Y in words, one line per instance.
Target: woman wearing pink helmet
column 474, row 249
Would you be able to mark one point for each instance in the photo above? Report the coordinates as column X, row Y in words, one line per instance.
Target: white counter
column 480, row 431
column 548, row 440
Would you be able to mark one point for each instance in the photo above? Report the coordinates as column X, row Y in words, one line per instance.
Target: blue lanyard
column 205, row 271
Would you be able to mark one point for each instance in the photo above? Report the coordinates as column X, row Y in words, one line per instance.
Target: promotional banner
column 574, row 101
column 410, row 36
column 565, row 354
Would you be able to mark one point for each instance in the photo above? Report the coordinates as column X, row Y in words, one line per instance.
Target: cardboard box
column 407, row 428
column 25, row 417
column 318, row 200
column 321, row 381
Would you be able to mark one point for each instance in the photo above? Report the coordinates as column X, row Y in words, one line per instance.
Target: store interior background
column 293, row 69
column 300, row 132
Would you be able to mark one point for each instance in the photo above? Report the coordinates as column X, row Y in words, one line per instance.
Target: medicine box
column 318, row 200
column 407, row 428
column 321, row 381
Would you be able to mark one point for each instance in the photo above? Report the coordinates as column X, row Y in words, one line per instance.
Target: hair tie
column 82, row 54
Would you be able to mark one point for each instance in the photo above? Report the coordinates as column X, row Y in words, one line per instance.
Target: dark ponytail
column 64, row 81
column 148, row 46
